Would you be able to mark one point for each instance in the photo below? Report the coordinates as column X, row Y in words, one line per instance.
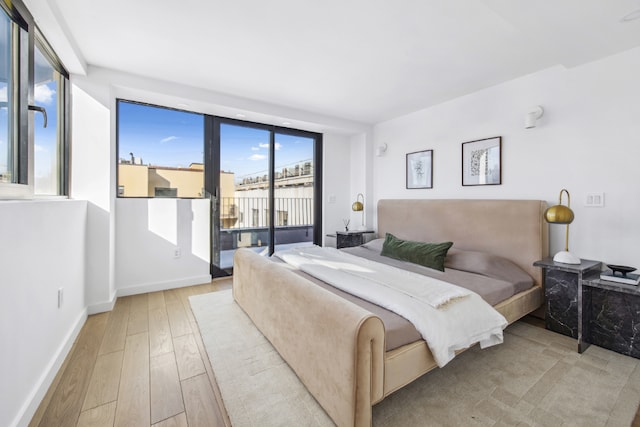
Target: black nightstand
column 612, row 315
column 565, row 310
column 349, row 239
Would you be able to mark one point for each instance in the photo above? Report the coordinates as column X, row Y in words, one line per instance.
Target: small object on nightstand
column 346, row 224
column 622, row 269
column 620, row 274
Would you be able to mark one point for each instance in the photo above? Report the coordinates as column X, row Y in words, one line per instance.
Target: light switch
column 594, row 200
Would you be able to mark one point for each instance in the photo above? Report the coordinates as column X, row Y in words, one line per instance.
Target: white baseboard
column 147, row 287
column 42, row 386
column 163, row 286
column 102, row 307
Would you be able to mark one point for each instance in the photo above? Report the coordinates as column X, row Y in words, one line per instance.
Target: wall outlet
column 332, row 198
column 60, row 297
column 177, row 252
column 594, row 200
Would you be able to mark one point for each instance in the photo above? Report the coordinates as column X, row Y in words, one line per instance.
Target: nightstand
column 612, row 315
column 349, row 239
column 563, row 290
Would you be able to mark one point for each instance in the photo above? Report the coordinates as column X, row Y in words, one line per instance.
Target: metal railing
column 253, row 212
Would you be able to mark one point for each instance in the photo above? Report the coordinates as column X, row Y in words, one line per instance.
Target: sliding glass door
column 294, row 189
column 265, row 187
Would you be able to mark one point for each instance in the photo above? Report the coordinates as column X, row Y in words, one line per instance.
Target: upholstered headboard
column 514, row 229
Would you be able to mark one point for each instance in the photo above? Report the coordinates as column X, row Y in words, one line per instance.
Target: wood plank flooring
column 142, row 364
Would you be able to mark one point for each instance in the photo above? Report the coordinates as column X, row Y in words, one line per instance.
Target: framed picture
column 420, row 169
column 482, row 162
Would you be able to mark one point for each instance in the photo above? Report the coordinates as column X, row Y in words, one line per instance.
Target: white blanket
column 448, row 317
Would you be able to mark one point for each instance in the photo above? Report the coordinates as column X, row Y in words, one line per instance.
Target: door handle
column 41, row 110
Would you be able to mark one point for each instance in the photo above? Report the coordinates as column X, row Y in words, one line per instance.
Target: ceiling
column 360, row 60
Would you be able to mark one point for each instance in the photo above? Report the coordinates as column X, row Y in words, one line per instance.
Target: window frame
column 23, row 136
column 147, row 104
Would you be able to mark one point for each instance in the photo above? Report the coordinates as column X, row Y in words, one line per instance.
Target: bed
column 337, row 348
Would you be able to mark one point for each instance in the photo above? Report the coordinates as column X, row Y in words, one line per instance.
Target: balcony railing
column 253, row 212
column 244, row 222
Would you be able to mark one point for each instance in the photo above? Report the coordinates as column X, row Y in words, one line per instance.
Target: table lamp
column 560, row 214
column 358, row 206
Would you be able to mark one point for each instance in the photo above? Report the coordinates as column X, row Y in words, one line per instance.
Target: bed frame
column 337, row 348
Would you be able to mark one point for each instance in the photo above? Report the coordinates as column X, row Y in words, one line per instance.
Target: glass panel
column 47, row 152
column 160, row 152
column 244, row 191
column 294, row 190
column 6, row 109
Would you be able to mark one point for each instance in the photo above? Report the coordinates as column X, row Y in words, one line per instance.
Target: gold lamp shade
column 560, row 214
column 358, row 206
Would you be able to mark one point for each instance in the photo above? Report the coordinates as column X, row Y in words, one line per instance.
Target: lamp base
column 566, row 257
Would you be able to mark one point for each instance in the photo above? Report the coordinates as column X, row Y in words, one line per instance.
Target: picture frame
column 482, row 162
column 420, row 170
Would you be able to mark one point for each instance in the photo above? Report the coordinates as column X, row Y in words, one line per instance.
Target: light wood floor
column 142, row 364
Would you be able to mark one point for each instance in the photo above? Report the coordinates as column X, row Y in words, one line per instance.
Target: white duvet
column 448, row 317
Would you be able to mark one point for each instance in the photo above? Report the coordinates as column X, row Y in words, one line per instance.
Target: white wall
column 43, row 245
column 148, row 233
column 587, row 141
column 335, row 188
column 91, row 179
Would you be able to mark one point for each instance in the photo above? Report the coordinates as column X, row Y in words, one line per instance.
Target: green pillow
column 427, row 254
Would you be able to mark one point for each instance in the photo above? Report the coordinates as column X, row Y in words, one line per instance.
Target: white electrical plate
column 594, row 200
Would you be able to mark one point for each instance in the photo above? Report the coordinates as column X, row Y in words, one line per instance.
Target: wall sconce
column 560, row 214
column 532, row 117
column 381, row 150
column 358, row 206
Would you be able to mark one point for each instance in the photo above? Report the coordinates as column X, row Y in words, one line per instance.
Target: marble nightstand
column 349, row 239
column 564, row 300
column 613, row 315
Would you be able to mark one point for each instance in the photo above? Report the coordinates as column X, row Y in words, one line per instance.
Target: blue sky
column 160, row 136
column 45, row 139
column 164, row 137
column 245, row 151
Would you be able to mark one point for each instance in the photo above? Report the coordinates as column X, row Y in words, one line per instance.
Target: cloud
column 169, row 138
column 3, row 94
column 266, row 145
column 257, row 157
column 43, row 94
column 255, row 148
column 39, row 148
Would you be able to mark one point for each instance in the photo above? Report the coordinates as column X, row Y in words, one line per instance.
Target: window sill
column 35, row 199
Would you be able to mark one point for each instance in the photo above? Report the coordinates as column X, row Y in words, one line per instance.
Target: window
column 49, row 146
column 282, row 218
column 160, row 151
column 33, row 138
column 10, row 46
